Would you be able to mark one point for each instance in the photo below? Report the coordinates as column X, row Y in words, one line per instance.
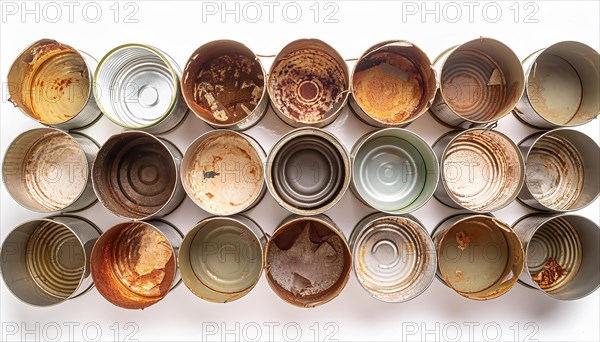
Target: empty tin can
column 561, row 169
column 51, row 83
column 221, row 258
column 134, row 264
column 563, row 82
column 394, row 257
column 481, row 81
column 481, row 170
column 308, row 261
column 562, row 254
column 222, row 172
column 308, row 83
column 479, row 256
column 308, row 171
column 137, row 87
column 223, row 83
column 392, row 84
column 47, row 170
column 45, row 261
column 393, row 170
column 136, row 176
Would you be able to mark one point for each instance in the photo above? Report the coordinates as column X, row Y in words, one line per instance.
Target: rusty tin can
column 137, row 87
column 308, row 260
column 223, row 83
column 479, row 256
column 562, row 254
column 52, row 82
column 563, row 82
column 308, row 171
column 136, row 176
column 393, row 83
column 561, row 168
column 223, row 172
column 134, row 264
column 308, row 83
column 46, row 261
column 394, row 257
column 222, row 258
column 480, row 170
column 481, row 81
column 47, row 170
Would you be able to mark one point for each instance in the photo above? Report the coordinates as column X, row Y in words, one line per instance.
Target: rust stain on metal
column 550, row 274
column 463, row 240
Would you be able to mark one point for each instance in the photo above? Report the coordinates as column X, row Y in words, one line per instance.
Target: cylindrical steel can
column 308, row 83
column 393, row 83
column 481, row 81
column 222, row 172
column 393, row 170
column 136, row 176
column 45, row 261
column 308, row 171
column 47, row 170
column 134, row 264
column 562, row 254
column 52, row 82
column 223, row 83
column 561, row 170
column 563, row 82
column 480, row 169
column 479, row 256
column 137, row 87
column 308, row 260
column 394, row 257
column 221, row 258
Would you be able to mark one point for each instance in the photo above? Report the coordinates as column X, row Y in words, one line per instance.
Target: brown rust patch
column 550, row 274
column 463, row 240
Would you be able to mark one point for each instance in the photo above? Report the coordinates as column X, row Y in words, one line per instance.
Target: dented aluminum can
column 223, row 83
column 308, row 171
column 223, row 172
column 393, row 83
column 562, row 254
column 47, row 170
column 134, row 264
column 136, row 176
column 394, row 257
column 137, row 87
column 45, row 261
column 52, row 82
column 563, row 82
column 480, row 170
column 561, row 169
column 479, row 256
column 308, row 83
column 221, row 258
column 481, row 81
column 308, row 260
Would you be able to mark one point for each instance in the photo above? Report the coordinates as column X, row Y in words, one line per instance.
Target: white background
column 178, row 28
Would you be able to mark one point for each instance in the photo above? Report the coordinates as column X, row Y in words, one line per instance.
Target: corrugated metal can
column 45, row 261
column 137, row 87
column 47, row 170
column 562, row 254
column 394, row 257
column 136, row 176
column 52, row 82
column 308, row 260
column 308, row 83
column 563, row 82
column 479, row 256
column 222, row 258
column 134, row 264
column 223, row 83
column 393, row 83
column 561, row 168
column 481, row 81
